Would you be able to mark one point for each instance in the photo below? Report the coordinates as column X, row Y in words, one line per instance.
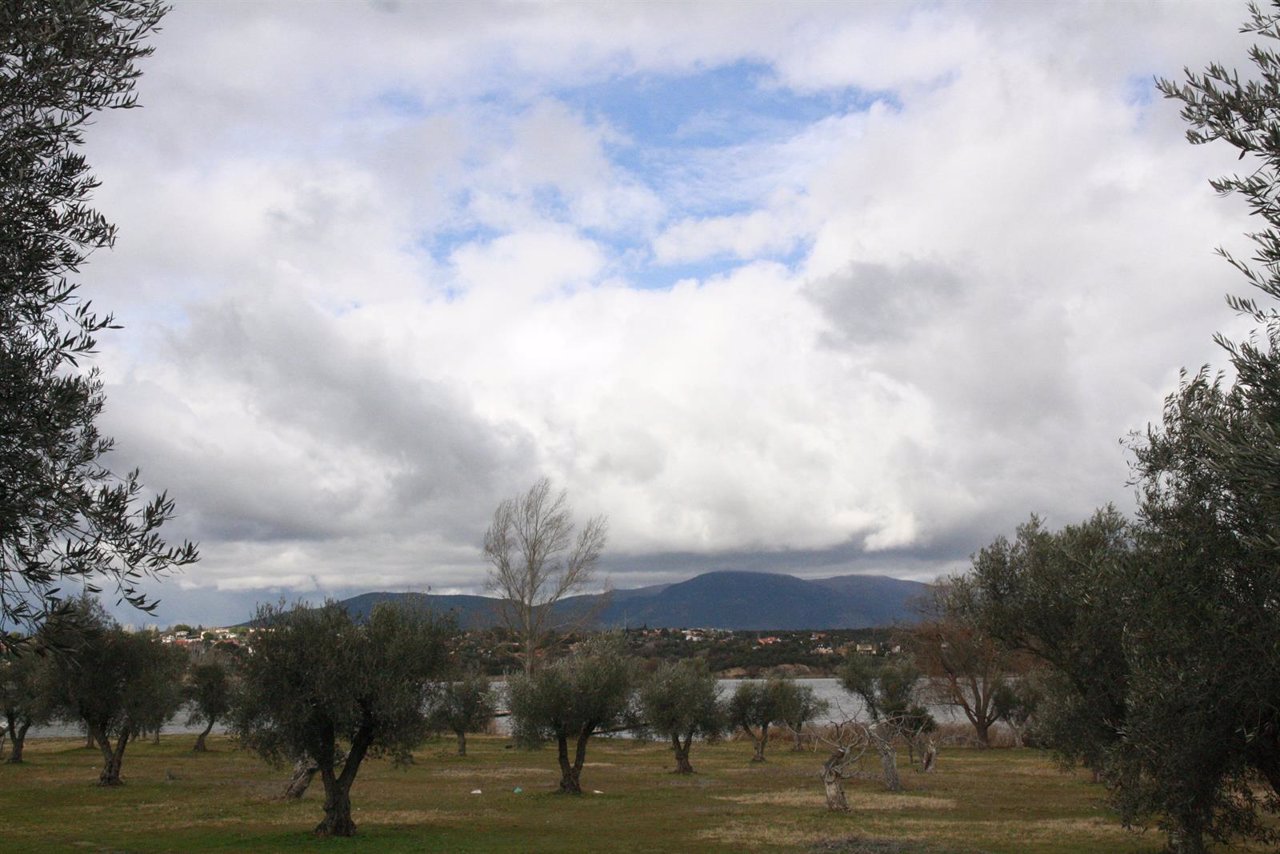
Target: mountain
column 757, row 600
column 471, row 612
column 720, row 600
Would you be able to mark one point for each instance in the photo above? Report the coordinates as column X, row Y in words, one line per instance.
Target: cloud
column 811, row 288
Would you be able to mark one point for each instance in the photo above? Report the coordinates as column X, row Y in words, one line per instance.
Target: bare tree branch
column 536, row 562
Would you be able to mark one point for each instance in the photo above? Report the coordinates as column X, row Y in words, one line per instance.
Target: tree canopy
column 680, row 700
column 463, row 706
column 117, row 684
column 755, row 706
column 572, row 699
column 64, row 515
column 319, row 684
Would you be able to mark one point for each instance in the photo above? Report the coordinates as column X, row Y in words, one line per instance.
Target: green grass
column 227, row 800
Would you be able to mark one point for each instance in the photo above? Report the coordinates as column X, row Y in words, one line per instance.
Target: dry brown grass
column 996, row 802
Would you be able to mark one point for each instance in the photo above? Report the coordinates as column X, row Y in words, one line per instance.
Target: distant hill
column 471, row 612
column 720, row 600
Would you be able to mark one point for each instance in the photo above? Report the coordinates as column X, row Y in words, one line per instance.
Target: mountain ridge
column 725, row 599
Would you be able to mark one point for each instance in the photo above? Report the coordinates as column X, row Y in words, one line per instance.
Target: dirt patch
column 494, row 773
column 873, row 845
column 857, row 800
column 1025, row 832
column 404, row 817
column 758, row 835
column 887, row 801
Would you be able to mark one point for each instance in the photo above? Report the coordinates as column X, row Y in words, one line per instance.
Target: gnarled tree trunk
column 337, row 806
column 1185, row 841
column 681, row 751
column 929, row 757
column 200, row 745
column 17, row 732
column 337, row 787
column 833, row 781
column 462, row 742
column 304, row 770
column 571, row 773
column 18, row 737
column 759, row 742
column 888, row 760
column 112, row 759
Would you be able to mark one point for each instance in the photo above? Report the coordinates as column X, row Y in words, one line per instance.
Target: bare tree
column 967, row 667
column 537, row 562
column 887, row 691
column 805, row 706
column 849, row 741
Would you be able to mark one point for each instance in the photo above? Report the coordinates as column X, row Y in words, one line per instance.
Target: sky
column 817, row 288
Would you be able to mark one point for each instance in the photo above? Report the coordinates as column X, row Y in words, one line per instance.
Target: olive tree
column 888, row 691
column 678, row 701
column 536, row 561
column 117, row 684
column 1064, row 598
column 1202, row 734
column 210, row 690
column 572, row 699
column 467, row 705
column 64, row 515
column 319, row 683
column 24, row 701
column 755, row 706
column 1211, row 504
column 805, row 706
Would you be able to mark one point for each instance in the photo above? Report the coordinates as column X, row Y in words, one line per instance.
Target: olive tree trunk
column 571, row 773
column 337, row 788
column 462, row 742
column 200, row 745
column 888, row 759
column 337, row 806
column 929, row 757
column 19, row 738
column 1186, row 841
column 112, row 758
column 304, row 771
column 759, row 742
column 17, row 735
column 681, row 751
column 833, row 781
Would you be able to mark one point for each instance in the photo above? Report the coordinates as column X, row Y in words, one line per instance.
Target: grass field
column 227, row 800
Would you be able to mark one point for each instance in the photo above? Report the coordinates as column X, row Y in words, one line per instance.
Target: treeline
column 1156, row 638
column 323, row 692
column 753, row 654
